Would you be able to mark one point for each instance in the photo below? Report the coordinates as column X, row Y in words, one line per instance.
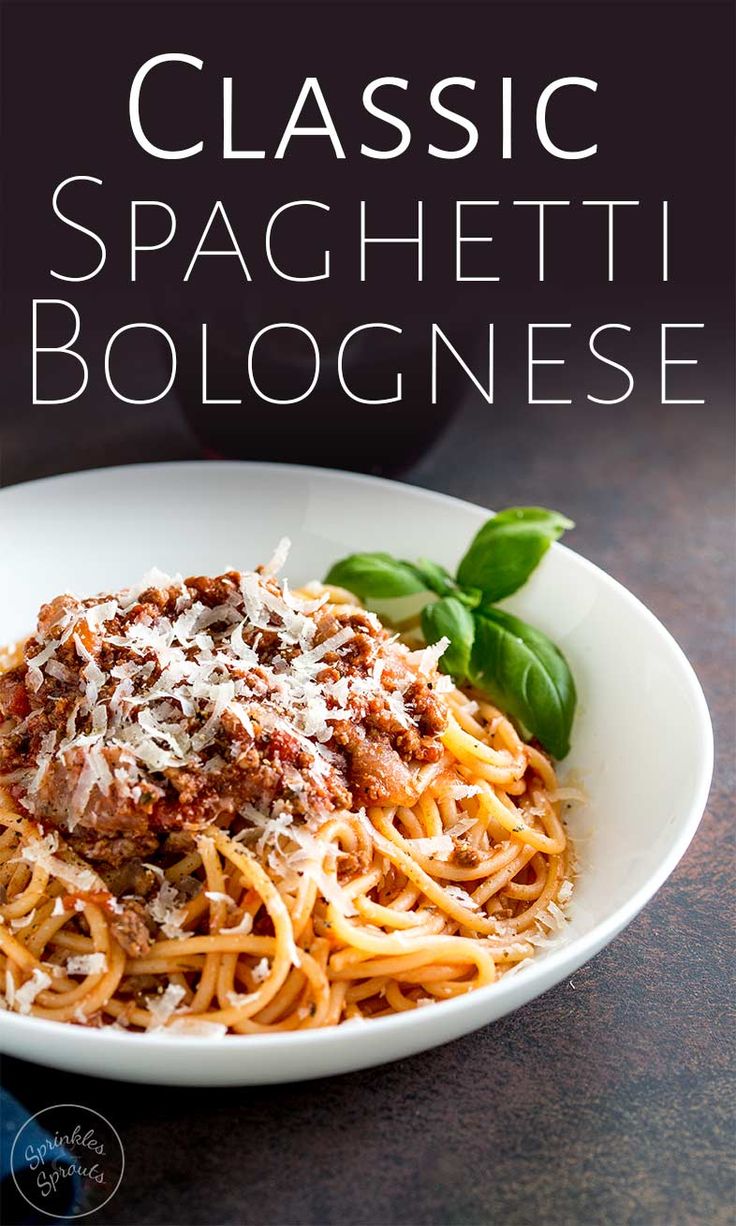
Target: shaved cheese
column 164, row 907
column 428, row 659
column 565, row 892
column 98, row 614
column 244, row 927
column 162, row 1007
column 331, row 644
column 34, row 676
column 236, row 999
column 461, row 827
column 24, row 996
column 395, row 703
column 71, row 728
column 271, row 827
column 340, row 691
column 261, row 970
column 460, row 895
column 177, row 741
column 35, row 662
column 328, row 886
column 86, row 964
column 462, row 791
column 216, row 896
column 212, row 616
column 278, row 560
column 22, row 921
column 194, row 1028
column 552, row 917
column 40, row 851
column 81, row 649
column 95, row 679
column 153, row 578
column 439, row 845
column 82, row 792
column 242, row 650
column 307, row 859
column 222, row 696
column 43, row 761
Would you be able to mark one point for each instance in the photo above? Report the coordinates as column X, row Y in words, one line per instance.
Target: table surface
column 607, row 1100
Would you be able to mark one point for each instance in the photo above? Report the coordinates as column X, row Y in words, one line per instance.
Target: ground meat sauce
column 179, row 703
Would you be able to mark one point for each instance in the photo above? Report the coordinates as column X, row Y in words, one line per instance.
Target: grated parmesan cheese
column 165, row 908
column 244, row 927
column 86, row 964
column 195, row 1028
column 428, row 658
column 552, row 917
column 462, row 791
column 24, row 996
column 460, row 895
column 236, row 999
column 40, row 851
column 440, row 845
column 216, row 896
column 565, row 892
column 278, row 561
column 162, row 1007
column 261, row 970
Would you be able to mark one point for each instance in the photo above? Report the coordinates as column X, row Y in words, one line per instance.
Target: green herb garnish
column 517, row 666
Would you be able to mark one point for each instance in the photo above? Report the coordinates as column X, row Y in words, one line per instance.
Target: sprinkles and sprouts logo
column 67, row 1161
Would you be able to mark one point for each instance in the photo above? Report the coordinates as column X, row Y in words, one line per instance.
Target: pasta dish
column 230, row 807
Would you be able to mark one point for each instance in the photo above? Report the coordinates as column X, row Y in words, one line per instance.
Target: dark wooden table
column 610, row 1099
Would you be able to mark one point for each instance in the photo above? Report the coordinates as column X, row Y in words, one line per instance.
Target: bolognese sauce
column 182, row 703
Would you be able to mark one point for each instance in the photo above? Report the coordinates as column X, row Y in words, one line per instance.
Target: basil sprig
column 516, row 665
column 377, row 576
column 508, row 548
column 525, row 675
column 450, row 618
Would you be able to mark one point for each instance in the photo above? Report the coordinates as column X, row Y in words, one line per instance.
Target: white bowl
column 642, row 741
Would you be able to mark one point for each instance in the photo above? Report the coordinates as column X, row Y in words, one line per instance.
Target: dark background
column 662, row 118
column 609, row 1100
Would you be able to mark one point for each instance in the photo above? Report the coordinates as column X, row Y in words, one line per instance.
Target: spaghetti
column 387, row 841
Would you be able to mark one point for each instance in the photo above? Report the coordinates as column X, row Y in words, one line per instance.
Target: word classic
column 429, row 257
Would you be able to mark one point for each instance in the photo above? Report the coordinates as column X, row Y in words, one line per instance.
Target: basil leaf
column 526, row 676
column 448, row 617
column 508, row 548
column 433, row 576
column 375, row 576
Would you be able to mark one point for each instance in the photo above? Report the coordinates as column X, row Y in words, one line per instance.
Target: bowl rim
column 554, row 964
